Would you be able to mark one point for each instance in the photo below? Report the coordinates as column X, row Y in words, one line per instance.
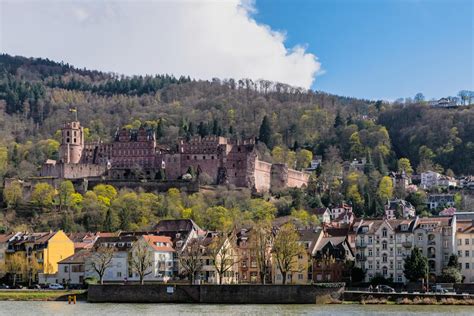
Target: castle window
column 203, row 157
column 74, row 133
column 67, row 133
column 67, row 140
column 188, row 157
column 238, row 149
column 236, row 174
column 195, row 157
column 74, row 140
column 212, row 157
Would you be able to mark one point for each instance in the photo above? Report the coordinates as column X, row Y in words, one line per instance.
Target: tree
column 286, row 249
column 15, row 265
column 385, row 189
column 141, row 260
column 43, row 194
column 32, row 268
column 419, row 97
column 222, row 253
column 453, row 261
column 13, row 194
column 451, row 275
column 261, row 240
column 261, row 210
column 415, row 266
column 405, row 166
column 101, row 260
column 265, row 132
column 303, row 158
column 65, row 194
column 218, row 218
column 190, row 258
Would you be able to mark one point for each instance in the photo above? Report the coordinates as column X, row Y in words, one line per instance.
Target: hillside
column 290, row 124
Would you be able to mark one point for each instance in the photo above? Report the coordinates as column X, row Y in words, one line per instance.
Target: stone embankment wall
column 213, row 294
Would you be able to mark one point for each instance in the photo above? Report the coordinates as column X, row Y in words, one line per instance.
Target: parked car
column 55, row 286
column 384, row 289
column 4, row 286
column 35, row 287
column 439, row 289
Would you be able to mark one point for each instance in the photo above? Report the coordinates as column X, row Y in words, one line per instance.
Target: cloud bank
column 202, row 39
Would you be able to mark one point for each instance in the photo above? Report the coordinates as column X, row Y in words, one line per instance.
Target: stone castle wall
column 72, row 171
column 262, row 176
column 297, row 179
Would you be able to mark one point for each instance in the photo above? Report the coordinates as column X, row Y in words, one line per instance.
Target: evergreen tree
column 265, row 133
column 202, row 129
column 380, row 163
column 338, row 120
column 369, row 165
column 416, row 266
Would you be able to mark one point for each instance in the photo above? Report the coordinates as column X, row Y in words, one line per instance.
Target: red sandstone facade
column 135, row 155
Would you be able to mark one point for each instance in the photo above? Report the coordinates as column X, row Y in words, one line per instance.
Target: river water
column 81, row 308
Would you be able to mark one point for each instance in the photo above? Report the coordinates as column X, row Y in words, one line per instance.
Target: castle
column 134, row 155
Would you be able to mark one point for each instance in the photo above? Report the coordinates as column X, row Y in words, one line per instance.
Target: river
column 82, row 308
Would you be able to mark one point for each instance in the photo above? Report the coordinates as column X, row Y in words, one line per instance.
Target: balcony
column 361, row 245
column 407, row 244
column 361, row 258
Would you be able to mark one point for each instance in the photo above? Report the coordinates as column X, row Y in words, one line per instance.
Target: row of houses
column 377, row 246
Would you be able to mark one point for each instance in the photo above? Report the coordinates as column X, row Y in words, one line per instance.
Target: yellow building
column 40, row 253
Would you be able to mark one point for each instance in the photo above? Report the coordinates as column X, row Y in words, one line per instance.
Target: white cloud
column 202, row 39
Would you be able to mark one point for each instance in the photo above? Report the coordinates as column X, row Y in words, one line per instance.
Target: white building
column 429, row 179
column 382, row 245
column 440, row 200
column 435, row 236
column 465, row 248
column 71, row 271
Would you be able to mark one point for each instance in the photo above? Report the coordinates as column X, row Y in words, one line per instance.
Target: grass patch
column 35, row 295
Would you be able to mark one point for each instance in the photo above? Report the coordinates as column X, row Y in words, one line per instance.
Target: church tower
column 72, row 142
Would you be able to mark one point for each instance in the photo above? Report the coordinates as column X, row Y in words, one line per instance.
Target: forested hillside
column 291, row 125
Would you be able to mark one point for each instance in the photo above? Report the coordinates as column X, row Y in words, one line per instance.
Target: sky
column 374, row 49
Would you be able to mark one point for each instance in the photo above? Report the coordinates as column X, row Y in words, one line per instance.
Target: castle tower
column 72, row 142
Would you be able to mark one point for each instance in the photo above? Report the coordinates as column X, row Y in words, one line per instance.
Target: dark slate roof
column 176, row 225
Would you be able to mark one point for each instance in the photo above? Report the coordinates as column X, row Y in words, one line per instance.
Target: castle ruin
column 135, row 156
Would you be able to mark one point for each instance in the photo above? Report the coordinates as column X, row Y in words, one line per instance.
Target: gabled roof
column 176, row 225
column 152, row 240
column 79, row 257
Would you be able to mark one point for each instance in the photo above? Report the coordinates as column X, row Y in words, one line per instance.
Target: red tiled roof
column 153, row 240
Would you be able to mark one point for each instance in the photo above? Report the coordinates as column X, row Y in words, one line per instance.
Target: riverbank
column 356, row 297
column 39, row 295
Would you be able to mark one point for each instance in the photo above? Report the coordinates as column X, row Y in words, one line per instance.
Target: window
column 399, row 251
column 384, row 257
column 370, row 240
column 119, row 274
column 466, row 253
column 370, row 265
column 370, row 253
column 459, row 242
column 384, row 245
column 420, row 237
column 467, row 265
column 384, row 232
column 300, row 276
column 399, row 265
column 466, row 242
column 459, row 253
column 66, row 269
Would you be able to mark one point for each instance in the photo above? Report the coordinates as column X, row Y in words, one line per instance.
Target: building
column 323, row 214
column 249, row 271
column 71, row 271
column 342, row 214
column 382, row 245
column 400, row 181
column 302, row 267
column 436, row 201
column 215, row 250
column 429, row 179
column 4, row 240
column 162, row 254
column 134, row 155
column 436, row 237
column 118, row 270
column 443, row 103
column 465, row 248
column 47, row 249
column 329, row 258
column 399, row 208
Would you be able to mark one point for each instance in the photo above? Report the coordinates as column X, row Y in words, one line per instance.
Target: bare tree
column 261, row 240
column 141, row 260
column 15, row 265
column 222, row 253
column 190, row 258
column 101, row 260
column 286, row 249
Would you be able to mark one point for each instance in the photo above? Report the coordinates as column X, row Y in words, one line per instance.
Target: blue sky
column 380, row 48
column 376, row 49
